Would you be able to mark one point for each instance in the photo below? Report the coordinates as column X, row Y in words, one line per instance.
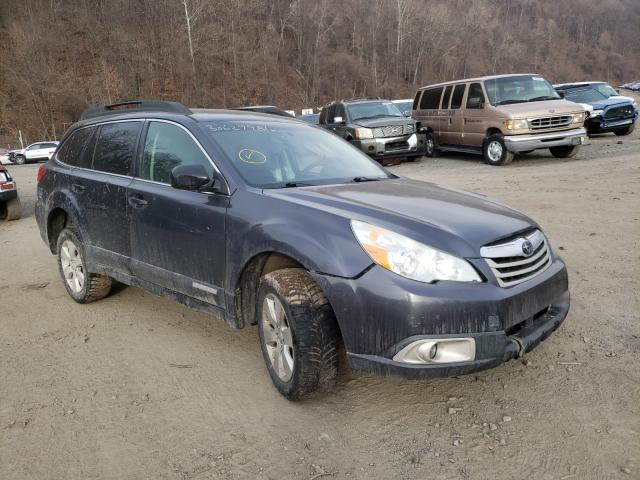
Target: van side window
column 446, row 97
column 167, row 146
column 71, row 151
column 416, row 100
column 456, row 97
column 431, row 99
column 115, row 147
column 475, row 98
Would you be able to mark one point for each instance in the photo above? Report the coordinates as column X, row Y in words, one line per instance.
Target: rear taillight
column 7, row 186
column 41, row 172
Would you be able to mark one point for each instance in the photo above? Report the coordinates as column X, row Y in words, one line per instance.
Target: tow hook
column 519, row 346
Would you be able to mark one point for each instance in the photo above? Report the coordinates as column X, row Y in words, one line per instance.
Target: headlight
column 595, row 113
column 363, row 133
column 409, row 258
column 579, row 117
column 517, row 124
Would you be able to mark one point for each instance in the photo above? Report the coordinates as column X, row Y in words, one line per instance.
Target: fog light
column 371, row 147
column 438, row 350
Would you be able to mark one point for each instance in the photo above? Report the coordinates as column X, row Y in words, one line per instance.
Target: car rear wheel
column 298, row 333
column 565, row 152
column 495, row 151
column 11, row 210
column 20, row 160
column 81, row 285
column 430, row 145
column 625, row 130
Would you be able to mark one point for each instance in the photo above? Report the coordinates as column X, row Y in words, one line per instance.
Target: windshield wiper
column 508, row 102
column 544, row 97
column 365, row 179
column 296, row 184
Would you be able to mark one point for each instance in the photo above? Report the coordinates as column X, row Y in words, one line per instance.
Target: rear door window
column 71, row 152
column 167, row 146
column 458, row 94
column 115, row 147
column 416, row 101
column 431, row 99
column 446, row 97
column 475, row 98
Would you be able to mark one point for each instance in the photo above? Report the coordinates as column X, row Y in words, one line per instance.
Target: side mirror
column 617, row 90
column 338, row 120
column 407, row 113
column 561, row 93
column 190, row 177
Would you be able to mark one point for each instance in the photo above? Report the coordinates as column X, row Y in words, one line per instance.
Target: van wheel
column 11, row 210
column 625, row 130
column 495, row 151
column 430, row 145
column 565, row 152
column 298, row 333
column 81, row 285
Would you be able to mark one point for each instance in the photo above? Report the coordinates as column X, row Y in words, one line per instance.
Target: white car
column 37, row 151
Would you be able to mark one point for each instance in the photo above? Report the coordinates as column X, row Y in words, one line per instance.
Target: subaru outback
column 268, row 221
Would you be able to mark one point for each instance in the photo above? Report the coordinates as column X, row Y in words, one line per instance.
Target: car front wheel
column 20, row 160
column 495, row 151
column 565, row 152
column 298, row 333
column 625, row 130
column 81, row 285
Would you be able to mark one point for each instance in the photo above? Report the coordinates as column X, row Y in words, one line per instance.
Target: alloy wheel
column 277, row 337
column 72, row 266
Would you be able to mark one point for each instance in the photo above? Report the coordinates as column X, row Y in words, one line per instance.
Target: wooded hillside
column 58, row 56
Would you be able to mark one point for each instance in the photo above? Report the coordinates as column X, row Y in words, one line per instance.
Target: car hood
column 452, row 220
column 382, row 121
column 608, row 102
column 540, row 109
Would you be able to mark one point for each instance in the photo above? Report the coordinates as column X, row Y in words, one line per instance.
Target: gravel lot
column 135, row 386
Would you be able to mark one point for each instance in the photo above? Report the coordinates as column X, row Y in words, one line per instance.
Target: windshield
column 280, row 155
column 359, row 111
column 519, row 89
column 584, row 95
column 404, row 106
column 605, row 89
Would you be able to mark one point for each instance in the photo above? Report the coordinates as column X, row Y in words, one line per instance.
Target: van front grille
column 511, row 265
column 558, row 121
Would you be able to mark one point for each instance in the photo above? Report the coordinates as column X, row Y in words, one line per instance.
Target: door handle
column 78, row 187
column 137, row 201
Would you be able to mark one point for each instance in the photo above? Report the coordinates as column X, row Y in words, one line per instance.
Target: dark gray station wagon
column 271, row 221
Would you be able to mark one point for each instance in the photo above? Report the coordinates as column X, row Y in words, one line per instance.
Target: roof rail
column 359, row 99
column 134, row 106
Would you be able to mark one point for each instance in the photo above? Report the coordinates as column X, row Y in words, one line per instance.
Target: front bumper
column 601, row 125
column 380, row 313
column 525, row 143
column 405, row 145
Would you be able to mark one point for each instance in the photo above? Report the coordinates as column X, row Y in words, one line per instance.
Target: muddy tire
column 565, row 152
column 494, row 151
column 625, row 130
column 299, row 335
column 11, row 210
column 430, row 145
column 81, row 285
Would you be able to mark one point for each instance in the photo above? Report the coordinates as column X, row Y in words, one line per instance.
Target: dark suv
column 375, row 126
column 265, row 220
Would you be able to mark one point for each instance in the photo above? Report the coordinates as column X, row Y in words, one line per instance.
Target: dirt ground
column 138, row 387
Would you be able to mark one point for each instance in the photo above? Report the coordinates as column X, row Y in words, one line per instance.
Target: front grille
column 618, row 113
column 558, row 121
column 511, row 266
column 394, row 130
